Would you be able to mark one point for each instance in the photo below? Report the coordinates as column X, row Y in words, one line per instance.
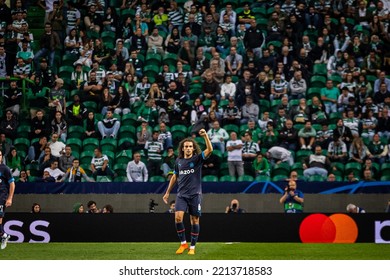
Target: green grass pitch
column 204, row 251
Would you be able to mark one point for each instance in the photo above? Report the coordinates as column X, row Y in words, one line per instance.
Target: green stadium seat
column 280, row 169
column 129, row 119
column 75, row 143
column 121, row 179
column 200, row 142
column 108, row 144
column 157, row 179
column 179, row 132
column 231, row 128
column 263, row 178
column 317, row 81
column 124, row 156
column 153, row 59
column 320, row 69
column 90, row 105
column 170, row 59
column 313, row 91
column 227, row 178
column 65, row 71
column 21, row 144
column 86, row 157
column 336, row 79
column 75, row 131
column 129, row 142
column 385, row 168
column 127, row 131
column 90, row 144
column 103, row 179
column 224, row 169
column 245, row 178
column 353, row 167
column 302, row 155
column 210, row 178
column 23, row 131
column 316, row 178
column 279, row 178
column 120, row 169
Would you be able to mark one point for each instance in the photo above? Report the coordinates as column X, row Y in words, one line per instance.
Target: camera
column 152, row 206
column 234, row 206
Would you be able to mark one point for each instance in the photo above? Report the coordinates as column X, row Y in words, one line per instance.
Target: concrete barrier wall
column 212, row 203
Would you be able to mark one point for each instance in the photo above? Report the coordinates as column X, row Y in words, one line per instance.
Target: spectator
column 59, row 126
column 154, row 150
column 24, row 177
column 90, row 126
column 168, row 165
column 171, row 207
column 234, row 159
column 292, row 198
column 36, row 208
column 357, row 151
column 381, row 79
column 155, row 42
column 218, row 136
column 369, row 124
column 76, row 112
column 297, row 86
column 49, row 42
column 121, row 102
column 36, row 149
column 136, row 170
column 249, row 111
column 66, row 159
column 108, row 209
column 211, row 165
column 337, row 151
column 46, row 178
column 353, row 123
column 234, row 63
column 261, row 165
column 5, row 145
column 100, row 165
column 307, row 136
column 57, row 100
column 45, row 159
column 93, row 20
column 78, row 208
column 330, row 95
column 54, row 171
column 57, row 147
column 231, row 114
column 377, row 151
column 387, row 210
column 14, row 162
column 92, row 208
column 234, row 208
column 316, row 111
column 92, row 88
column 316, row 164
column 352, row 208
column 9, row 125
column 75, row 173
column 277, row 155
column 254, row 38
column 13, row 98
column 109, row 126
column 249, row 153
column 288, row 136
column 331, row 178
column 269, row 137
column 383, row 127
column 343, row 132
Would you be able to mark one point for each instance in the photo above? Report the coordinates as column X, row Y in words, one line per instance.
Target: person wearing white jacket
column 136, row 170
column 218, row 136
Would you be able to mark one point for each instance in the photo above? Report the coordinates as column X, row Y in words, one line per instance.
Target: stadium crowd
column 109, row 88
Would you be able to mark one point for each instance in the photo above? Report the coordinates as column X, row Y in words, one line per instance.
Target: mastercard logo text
column 337, row 228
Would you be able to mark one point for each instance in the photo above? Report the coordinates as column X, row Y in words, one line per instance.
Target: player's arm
column 8, row 202
column 172, row 182
column 209, row 147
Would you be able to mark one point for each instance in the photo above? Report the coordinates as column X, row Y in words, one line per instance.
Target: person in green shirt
column 329, row 95
column 261, row 165
column 14, row 162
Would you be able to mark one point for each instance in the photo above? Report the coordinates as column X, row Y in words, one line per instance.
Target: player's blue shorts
column 193, row 205
column 3, row 199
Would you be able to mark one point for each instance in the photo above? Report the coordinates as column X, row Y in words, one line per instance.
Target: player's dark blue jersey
column 189, row 175
column 5, row 177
